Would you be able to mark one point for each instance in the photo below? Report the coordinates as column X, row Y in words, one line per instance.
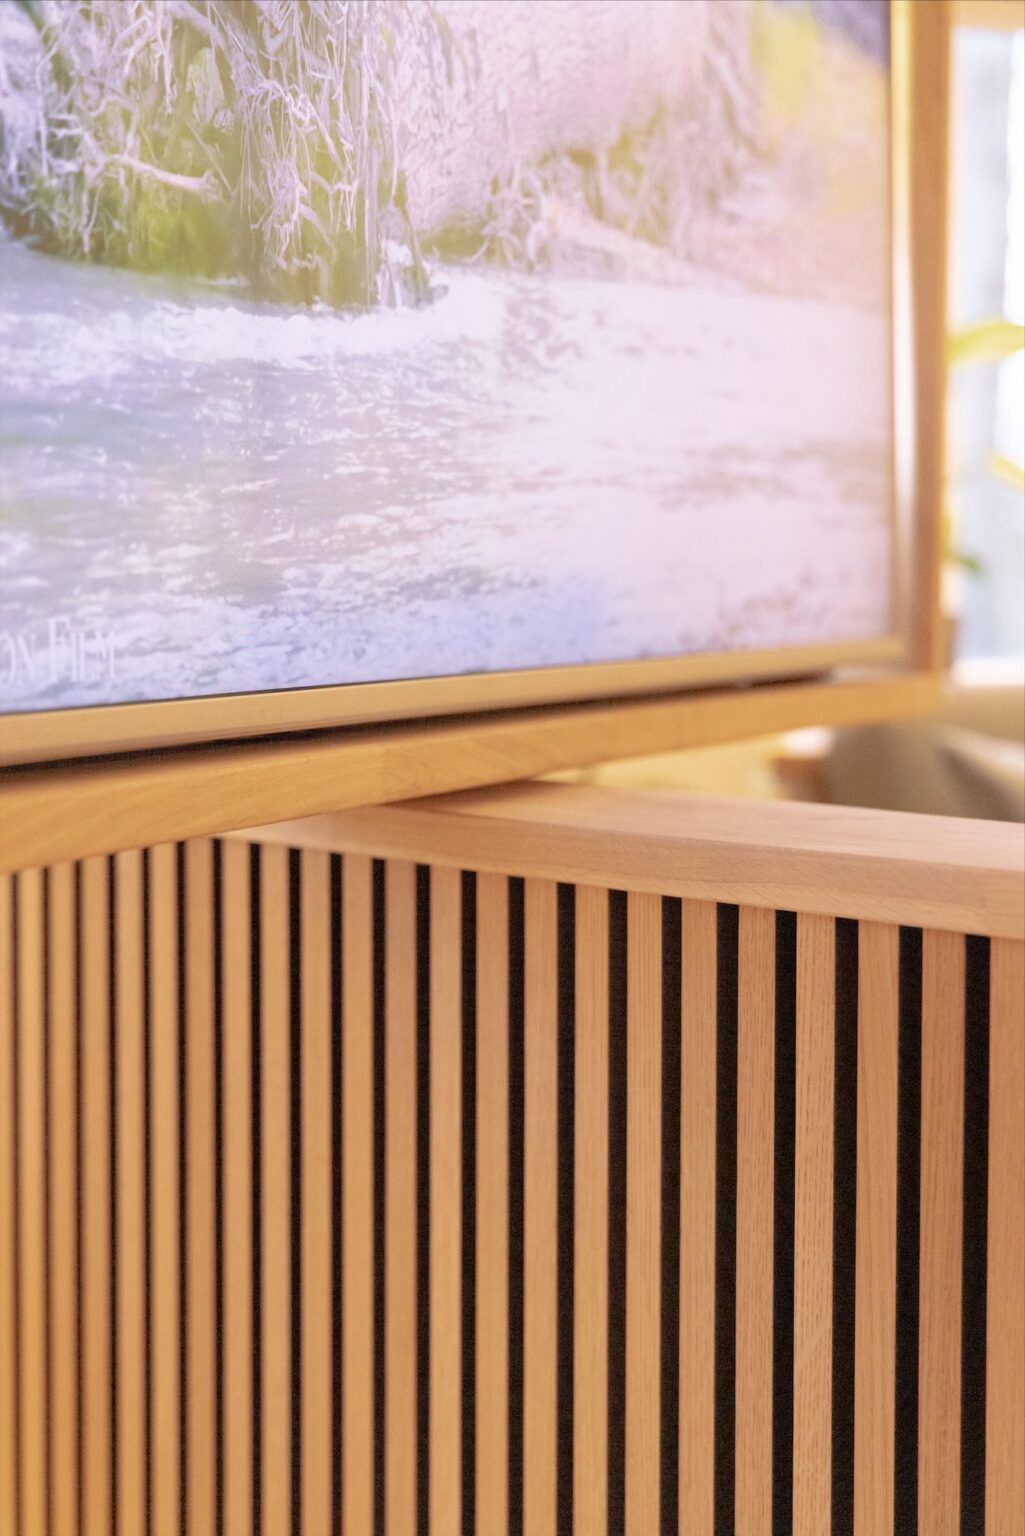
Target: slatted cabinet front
column 353, row 1195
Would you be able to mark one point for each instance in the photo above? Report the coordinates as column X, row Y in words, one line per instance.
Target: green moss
column 223, row 140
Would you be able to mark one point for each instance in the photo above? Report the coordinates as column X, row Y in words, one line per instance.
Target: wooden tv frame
column 68, row 809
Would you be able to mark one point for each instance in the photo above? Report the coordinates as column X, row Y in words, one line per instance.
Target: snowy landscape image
column 353, row 340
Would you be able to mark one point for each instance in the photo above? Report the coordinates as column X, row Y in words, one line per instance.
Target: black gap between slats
column 147, row 1196
column 845, row 1185
column 423, row 1192
column 909, row 1125
column 975, row 1236
column 617, row 1213
column 295, row 1087
column 335, row 932
column 112, row 1174
column 727, row 959
column 783, row 1226
column 469, row 1191
column 79, row 1398
column 379, row 941
column 256, row 1003
column 516, row 1068
column 672, row 923
column 218, row 907
column 564, row 1259
column 183, row 1300
column 47, row 1255
column 16, row 1175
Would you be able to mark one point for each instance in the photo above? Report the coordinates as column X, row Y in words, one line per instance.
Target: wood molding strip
column 400, row 1198
column 939, row 1378
column 358, row 1238
column 698, row 1057
column 275, row 1193
column 446, row 1201
column 884, row 866
column 237, row 1151
column 67, row 811
column 813, row 1225
column 63, row 1201
column 1005, row 1302
column 540, row 1206
column 492, row 1236
column 756, row 1072
column 591, row 1213
column 643, row 1213
column 876, row 1232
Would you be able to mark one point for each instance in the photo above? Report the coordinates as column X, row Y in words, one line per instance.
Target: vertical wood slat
column 697, row 1218
column 130, row 1077
column 939, row 1360
column 643, row 1218
column 400, row 1199
column 492, row 1236
column 275, row 1195
column 200, row 1191
column 357, row 1195
column 756, row 1066
column 1005, row 1300
column 540, row 1205
column 165, row 1342
column 875, row 1277
column 8, row 1208
column 591, row 1214
column 445, row 1202
column 32, row 1396
column 237, row 1188
column 63, row 1204
column 95, row 1194
column 316, row 1225
column 813, row 1224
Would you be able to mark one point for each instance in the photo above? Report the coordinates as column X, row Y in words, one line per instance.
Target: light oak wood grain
column 357, row 1363
column 886, row 866
column 62, row 1194
column 875, row 1277
column 928, row 128
column 939, row 1357
column 200, row 1193
column 165, row 1207
column 1005, row 1245
column 400, row 1199
column 446, row 1203
column 95, row 1195
column 237, row 1193
column 540, row 1206
column 315, row 1073
column 813, row 1226
column 8, row 1209
column 643, row 1212
column 63, row 1203
column 68, row 811
column 130, row 1169
column 995, row 15
column 492, row 1234
column 31, row 1249
column 591, row 1214
column 756, row 1072
column 697, row 1218
column 275, row 1195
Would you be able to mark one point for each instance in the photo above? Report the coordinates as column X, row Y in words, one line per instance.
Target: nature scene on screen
column 352, row 340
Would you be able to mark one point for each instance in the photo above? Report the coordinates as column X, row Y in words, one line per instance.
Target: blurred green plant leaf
column 1008, row 470
column 988, row 342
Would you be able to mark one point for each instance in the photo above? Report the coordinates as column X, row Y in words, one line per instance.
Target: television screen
column 348, row 342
